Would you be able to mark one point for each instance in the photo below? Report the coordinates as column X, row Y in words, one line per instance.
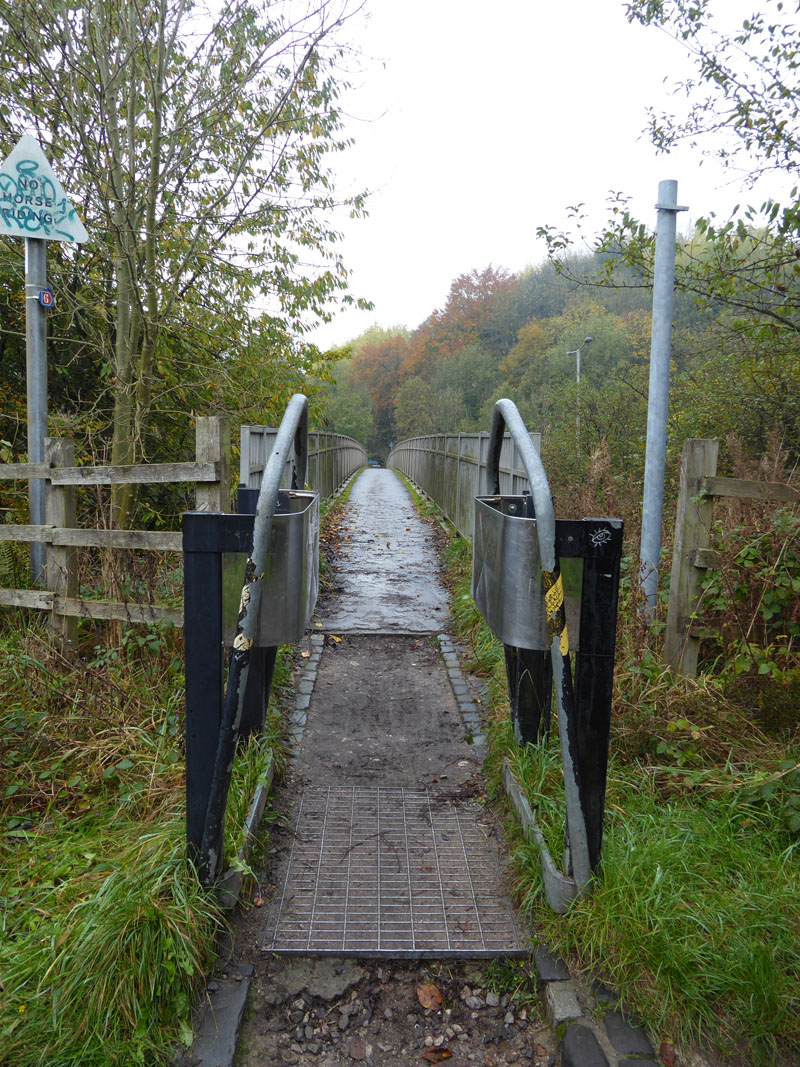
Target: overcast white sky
column 476, row 122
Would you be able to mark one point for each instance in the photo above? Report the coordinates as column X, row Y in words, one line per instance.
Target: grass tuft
column 112, row 978
column 105, row 931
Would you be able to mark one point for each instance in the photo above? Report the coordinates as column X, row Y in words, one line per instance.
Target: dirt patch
column 383, row 711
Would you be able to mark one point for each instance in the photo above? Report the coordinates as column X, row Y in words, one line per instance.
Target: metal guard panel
column 507, row 576
column 291, row 579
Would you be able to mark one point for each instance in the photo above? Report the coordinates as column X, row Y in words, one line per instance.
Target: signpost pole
column 33, row 205
column 36, row 359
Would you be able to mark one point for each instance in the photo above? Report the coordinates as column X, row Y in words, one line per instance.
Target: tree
column 742, row 111
column 377, row 366
column 473, row 374
column 744, row 97
column 197, row 151
column 414, row 409
column 348, row 409
column 459, row 322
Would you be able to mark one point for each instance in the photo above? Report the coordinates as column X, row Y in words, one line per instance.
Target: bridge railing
column 332, row 458
column 450, row 469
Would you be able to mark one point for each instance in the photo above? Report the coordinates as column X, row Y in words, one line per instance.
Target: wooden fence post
column 690, row 555
column 213, row 445
column 60, row 572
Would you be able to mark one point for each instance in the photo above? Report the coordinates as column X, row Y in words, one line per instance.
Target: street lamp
column 577, row 354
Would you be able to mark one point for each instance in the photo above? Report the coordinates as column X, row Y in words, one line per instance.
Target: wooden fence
column 692, row 554
column 210, row 473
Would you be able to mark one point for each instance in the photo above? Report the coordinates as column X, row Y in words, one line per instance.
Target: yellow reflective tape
column 554, row 596
column 554, row 608
column 564, row 642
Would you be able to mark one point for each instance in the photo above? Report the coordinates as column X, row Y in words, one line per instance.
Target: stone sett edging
column 587, row 1036
column 463, row 690
column 313, row 644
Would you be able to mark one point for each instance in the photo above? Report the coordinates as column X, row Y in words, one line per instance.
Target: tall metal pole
column 658, row 405
column 577, row 354
column 36, row 342
column 578, row 398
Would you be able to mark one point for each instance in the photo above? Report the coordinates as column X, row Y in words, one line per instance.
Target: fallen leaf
column 539, row 1050
column 258, row 902
column 668, row 1054
column 305, row 655
column 357, row 1049
column 436, row 1055
column 388, row 544
column 333, row 637
column 429, row 996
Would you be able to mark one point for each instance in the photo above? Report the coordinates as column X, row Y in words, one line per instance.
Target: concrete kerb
column 219, row 1024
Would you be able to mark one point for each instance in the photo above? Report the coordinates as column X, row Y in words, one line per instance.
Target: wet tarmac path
column 387, row 576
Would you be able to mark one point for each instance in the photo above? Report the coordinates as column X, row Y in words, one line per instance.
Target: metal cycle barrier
column 261, row 567
column 548, row 587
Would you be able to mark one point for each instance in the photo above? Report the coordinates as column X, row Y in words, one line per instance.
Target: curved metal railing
column 292, row 436
column 506, row 416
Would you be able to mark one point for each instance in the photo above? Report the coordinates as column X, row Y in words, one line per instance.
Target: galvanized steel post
column 658, row 404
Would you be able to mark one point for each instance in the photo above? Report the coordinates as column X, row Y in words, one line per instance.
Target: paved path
column 388, row 573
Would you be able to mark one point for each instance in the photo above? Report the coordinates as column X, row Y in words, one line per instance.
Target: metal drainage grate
column 392, row 872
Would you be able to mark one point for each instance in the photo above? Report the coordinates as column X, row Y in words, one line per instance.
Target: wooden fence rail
column 692, row 553
column 210, row 474
column 138, row 474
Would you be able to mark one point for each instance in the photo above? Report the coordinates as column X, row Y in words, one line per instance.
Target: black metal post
column 206, row 535
column 530, row 687
column 594, row 677
column 202, row 576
